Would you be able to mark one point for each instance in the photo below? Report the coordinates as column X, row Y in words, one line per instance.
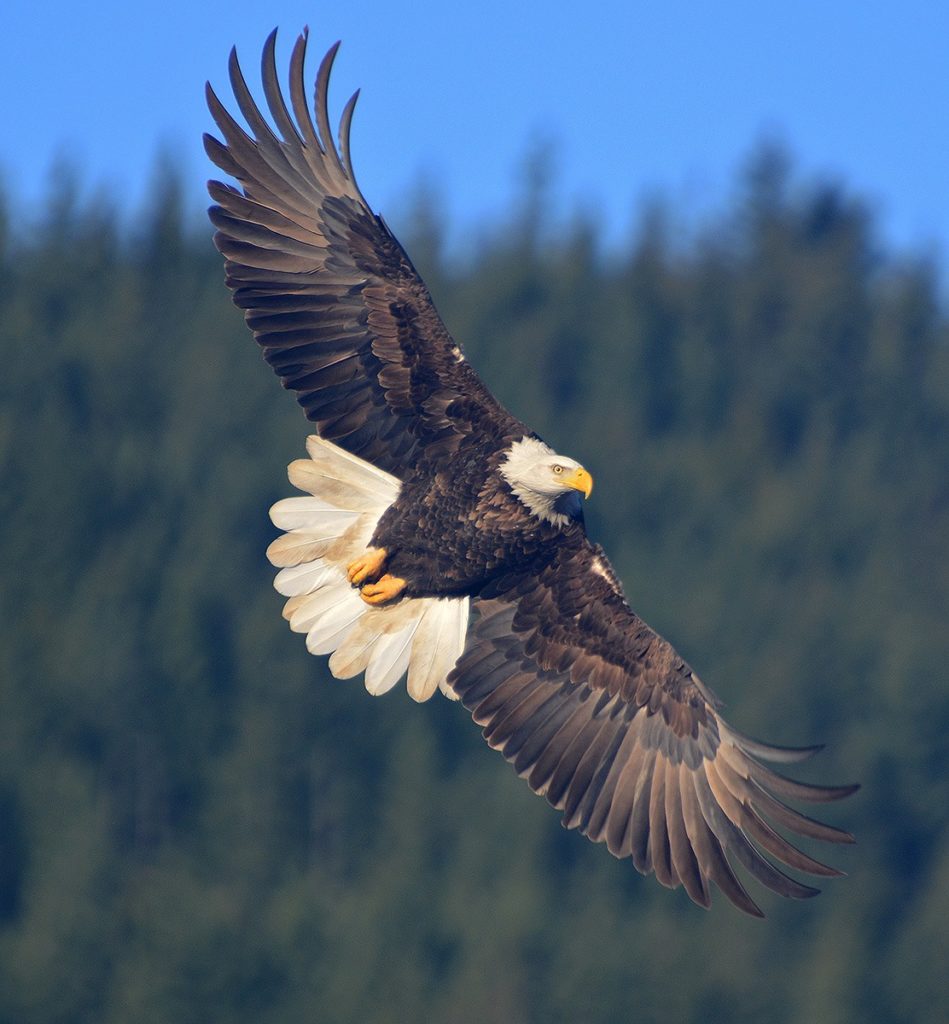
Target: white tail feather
column 294, row 548
column 352, row 655
column 343, row 486
column 361, row 478
column 298, row 580
column 328, row 595
column 325, row 532
column 390, row 659
column 333, row 627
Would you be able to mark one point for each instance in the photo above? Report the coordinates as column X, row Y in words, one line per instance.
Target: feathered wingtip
column 299, row 148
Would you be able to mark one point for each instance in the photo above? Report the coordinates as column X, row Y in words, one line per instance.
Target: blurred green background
column 198, row 824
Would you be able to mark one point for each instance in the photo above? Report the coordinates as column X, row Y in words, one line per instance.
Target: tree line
column 197, row 823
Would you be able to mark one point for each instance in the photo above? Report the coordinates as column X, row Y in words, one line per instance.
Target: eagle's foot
column 388, row 588
column 367, row 566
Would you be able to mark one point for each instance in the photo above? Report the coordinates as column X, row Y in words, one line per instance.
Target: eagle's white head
column 549, row 484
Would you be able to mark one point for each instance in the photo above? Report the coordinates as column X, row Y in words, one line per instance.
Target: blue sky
column 640, row 98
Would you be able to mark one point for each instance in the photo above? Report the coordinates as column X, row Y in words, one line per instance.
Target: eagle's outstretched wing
column 605, row 720
column 339, row 310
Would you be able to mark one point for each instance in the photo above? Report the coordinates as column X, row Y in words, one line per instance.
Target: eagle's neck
column 540, row 505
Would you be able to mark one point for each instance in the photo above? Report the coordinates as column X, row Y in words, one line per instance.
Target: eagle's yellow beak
column 580, row 480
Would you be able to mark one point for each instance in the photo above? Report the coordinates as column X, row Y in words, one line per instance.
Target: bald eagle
column 427, row 503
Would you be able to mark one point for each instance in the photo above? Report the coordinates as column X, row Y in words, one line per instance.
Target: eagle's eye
column 558, row 469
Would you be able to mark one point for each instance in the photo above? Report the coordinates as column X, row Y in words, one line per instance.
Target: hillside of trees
column 198, row 824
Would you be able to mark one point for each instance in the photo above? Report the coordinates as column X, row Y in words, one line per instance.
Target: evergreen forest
column 199, row 825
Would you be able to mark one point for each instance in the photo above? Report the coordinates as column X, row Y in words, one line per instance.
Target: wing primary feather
column 784, row 786
column 321, row 105
column 345, row 124
column 744, row 817
column 254, row 170
column 659, row 853
column 768, row 751
column 770, row 841
column 733, row 841
column 298, row 97
column 273, row 94
column 682, row 855
column 216, row 150
column 708, row 850
column 750, row 792
column 280, row 153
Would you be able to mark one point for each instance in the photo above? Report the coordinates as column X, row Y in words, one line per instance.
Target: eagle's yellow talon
column 367, row 566
column 388, row 588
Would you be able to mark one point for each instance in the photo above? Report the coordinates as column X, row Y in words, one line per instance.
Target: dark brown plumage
column 452, row 500
column 605, row 720
column 332, row 298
